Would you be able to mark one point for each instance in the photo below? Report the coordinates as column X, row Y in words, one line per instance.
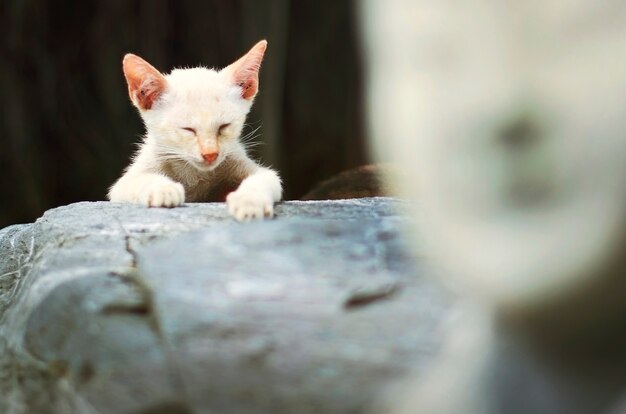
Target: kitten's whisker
column 251, row 137
column 247, row 136
column 171, row 154
column 171, row 157
column 253, row 144
column 252, row 124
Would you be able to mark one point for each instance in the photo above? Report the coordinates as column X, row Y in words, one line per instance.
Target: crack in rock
column 367, row 296
column 148, row 310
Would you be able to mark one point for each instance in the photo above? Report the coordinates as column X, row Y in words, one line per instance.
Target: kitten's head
column 195, row 115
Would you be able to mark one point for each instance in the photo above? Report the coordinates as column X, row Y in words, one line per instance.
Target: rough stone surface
column 111, row 308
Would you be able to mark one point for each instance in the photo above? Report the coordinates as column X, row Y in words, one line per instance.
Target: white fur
column 169, row 169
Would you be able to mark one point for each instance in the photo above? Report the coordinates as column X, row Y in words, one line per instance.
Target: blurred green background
column 67, row 128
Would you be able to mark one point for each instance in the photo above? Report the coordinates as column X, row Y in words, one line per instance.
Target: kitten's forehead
column 201, row 95
column 200, row 83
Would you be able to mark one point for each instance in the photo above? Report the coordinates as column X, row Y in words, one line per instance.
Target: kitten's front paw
column 162, row 194
column 249, row 205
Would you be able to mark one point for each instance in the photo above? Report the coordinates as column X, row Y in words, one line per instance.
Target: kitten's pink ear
column 245, row 71
column 145, row 83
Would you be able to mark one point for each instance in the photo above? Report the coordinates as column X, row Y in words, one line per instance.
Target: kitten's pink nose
column 210, row 157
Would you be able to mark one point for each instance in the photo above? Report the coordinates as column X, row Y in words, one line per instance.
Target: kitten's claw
column 162, row 194
column 249, row 205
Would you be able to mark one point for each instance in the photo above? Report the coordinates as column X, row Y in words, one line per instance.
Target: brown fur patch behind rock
column 363, row 181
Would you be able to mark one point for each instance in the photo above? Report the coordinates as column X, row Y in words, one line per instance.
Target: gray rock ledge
column 112, row 308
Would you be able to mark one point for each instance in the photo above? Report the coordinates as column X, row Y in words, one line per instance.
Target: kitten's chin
column 204, row 167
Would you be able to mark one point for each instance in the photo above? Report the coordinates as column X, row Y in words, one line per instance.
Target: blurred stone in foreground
column 111, row 308
column 508, row 119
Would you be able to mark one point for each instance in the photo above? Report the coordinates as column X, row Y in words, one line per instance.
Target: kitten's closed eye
column 193, row 131
column 222, row 128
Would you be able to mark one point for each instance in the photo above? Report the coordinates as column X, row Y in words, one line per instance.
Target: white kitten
column 191, row 151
